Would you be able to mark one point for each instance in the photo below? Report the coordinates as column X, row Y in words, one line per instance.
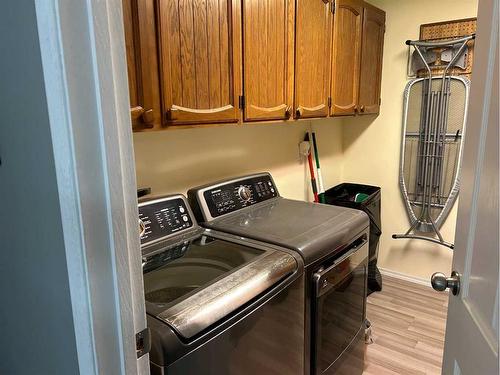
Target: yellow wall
column 361, row 149
column 173, row 161
column 371, row 146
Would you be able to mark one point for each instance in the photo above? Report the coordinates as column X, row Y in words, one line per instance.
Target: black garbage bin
column 368, row 200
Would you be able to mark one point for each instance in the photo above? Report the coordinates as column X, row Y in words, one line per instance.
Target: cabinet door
column 312, row 58
column 347, row 27
column 142, row 63
column 371, row 60
column 268, row 31
column 200, row 55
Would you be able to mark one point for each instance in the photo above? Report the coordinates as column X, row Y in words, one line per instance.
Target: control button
column 185, row 218
column 269, row 183
column 244, row 193
column 181, row 209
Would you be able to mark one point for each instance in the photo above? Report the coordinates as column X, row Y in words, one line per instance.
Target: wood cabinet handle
column 281, row 111
column 362, row 108
column 193, row 115
column 178, row 108
column 356, row 109
column 146, row 116
column 318, row 111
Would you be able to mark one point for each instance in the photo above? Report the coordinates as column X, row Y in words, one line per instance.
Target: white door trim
column 84, row 64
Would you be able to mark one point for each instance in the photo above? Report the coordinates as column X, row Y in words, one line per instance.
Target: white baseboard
column 402, row 276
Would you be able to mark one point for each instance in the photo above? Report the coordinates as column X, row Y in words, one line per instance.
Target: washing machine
column 331, row 240
column 218, row 304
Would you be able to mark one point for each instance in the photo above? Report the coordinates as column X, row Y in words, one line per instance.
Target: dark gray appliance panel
column 243, row 345
column 339, row 307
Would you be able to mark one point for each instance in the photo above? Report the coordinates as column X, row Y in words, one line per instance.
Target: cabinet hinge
column 329, row 102
column 143, row 342
column 241, row 102
column 333, row 6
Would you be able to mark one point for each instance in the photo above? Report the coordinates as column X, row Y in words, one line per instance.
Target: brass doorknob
column 440, row 282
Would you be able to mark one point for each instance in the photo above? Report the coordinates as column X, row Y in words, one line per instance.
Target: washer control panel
column 162, row 217
column 236, row 195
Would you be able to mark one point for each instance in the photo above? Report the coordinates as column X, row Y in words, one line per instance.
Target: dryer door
column 339, row 307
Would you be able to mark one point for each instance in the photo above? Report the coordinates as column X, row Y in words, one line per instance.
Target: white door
column 471, row 345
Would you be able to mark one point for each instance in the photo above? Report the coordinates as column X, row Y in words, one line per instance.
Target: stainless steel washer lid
column 193, row 278
column 214, row 302
column 314, row 230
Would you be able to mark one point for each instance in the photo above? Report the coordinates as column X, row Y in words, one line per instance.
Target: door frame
column 84, row 66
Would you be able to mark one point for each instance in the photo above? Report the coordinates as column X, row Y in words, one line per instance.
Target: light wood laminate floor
column 408, row 327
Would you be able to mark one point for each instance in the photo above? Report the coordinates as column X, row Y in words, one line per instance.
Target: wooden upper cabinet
column 142, row 63
column 200, row 57
column 371, row 60
column 347, row 29
column 221, row 61
column 268, row 31
column 312, row 58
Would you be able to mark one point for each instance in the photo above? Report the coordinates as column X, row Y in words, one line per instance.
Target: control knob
column 244, row 193
column 142, row 228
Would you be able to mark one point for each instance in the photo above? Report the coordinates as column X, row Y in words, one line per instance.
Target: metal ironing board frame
column 432, row 136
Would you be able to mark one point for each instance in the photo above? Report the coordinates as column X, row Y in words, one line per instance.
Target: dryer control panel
column 160, row 218
column 237, row 194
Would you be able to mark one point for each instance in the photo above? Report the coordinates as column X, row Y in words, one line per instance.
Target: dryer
column 331, row 240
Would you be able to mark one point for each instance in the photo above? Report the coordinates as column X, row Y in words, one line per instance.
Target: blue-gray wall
column 36, row 326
